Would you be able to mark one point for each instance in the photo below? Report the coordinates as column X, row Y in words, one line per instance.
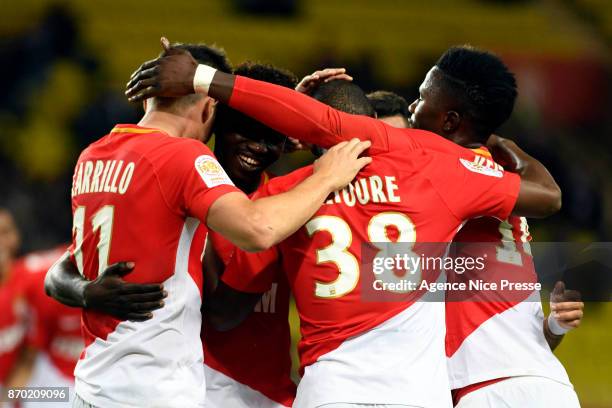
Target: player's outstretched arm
column 286, row 111
column 258, row 225
column 108, row 293
column 566, row 312
column 539, row 194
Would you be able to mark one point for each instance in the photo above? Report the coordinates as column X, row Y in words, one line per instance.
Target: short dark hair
column 204, row 54
column 344, row 96
column 387, row 103
column 482, row 84
column 267, row 73
column 229, row 119
column 210, row 55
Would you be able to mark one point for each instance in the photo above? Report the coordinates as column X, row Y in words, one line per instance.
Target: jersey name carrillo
column 102, row 176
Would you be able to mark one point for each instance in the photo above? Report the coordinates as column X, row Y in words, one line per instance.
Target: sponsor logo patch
column 483, row 166
column 211, row 172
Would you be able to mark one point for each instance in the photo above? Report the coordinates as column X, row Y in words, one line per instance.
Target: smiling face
column 246, row 150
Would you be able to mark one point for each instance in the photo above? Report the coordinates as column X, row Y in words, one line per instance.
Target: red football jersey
column 504, row 245
column 13, row 320
column 496, row 334
column 322, row 260
column 419, row 188
column 139, row 194
column 257, row 352
column 55, row 329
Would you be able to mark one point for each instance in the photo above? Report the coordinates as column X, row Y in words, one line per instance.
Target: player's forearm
column 530, row 169
column 223, row 307
column 552, row 339
column 212, row 268
column 65, row 284
column 226, row 308
column 540, row 196
column 291, row 113
column 258, row 225
column 283, row 214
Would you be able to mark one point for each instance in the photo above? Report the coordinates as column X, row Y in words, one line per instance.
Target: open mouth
column 248, row 162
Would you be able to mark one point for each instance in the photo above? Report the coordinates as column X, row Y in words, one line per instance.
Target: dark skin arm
column 552, row 339
column 108, row 293
column 228, row 307
column 172, row 76
column 224, row 307
column 539, row 196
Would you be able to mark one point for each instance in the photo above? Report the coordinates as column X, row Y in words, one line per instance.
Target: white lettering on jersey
column 366, row 190
column 88, row 171
column 267, row 303
column 211, row 171
column 484, row 166
column 78, row 179
column 102, row 176
column 126, row 178
column 95, row 181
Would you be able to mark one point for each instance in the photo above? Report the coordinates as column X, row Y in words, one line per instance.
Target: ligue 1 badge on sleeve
column 211, row 171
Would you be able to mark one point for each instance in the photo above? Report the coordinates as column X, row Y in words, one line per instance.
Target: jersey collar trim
column 133, row 129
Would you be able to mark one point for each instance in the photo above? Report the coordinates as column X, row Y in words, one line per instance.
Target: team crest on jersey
column 483, row 166
column 211, row 171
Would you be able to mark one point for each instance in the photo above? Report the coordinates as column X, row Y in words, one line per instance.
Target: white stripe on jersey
column 508, row 344
column 522, row 392
column 401, row 361
column 223, row 391
column 156, row 363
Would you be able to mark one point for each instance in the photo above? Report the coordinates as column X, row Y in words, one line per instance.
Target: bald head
column 344, row 96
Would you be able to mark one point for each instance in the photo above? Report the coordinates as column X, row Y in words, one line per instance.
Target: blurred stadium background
column 65, row 63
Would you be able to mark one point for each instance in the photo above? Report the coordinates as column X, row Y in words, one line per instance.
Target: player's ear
column 452, row 120
column 208, row 116
column 209, row 110
column 144, row 105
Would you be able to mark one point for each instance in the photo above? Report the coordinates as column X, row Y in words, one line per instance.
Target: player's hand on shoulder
column 310, row 82
column 340, row 164
column 110, row 294
column 566, row 308
column 169, row 76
